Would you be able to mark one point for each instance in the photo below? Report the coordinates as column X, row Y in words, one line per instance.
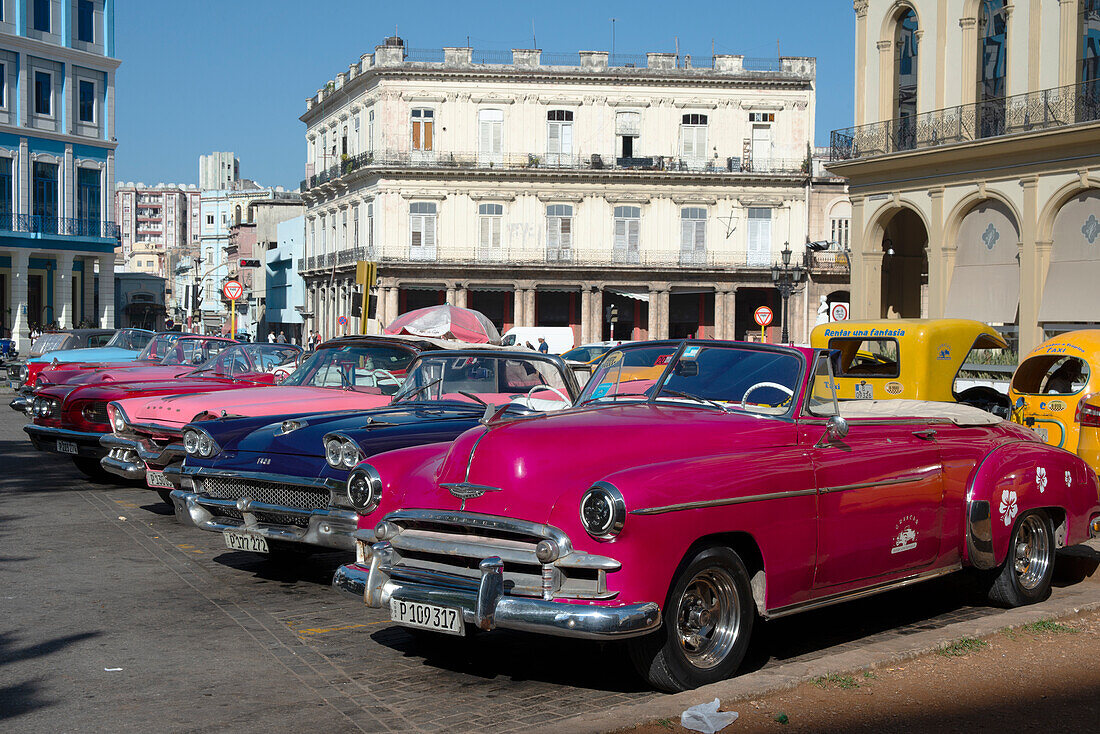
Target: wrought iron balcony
column 61, row 226
column 1021, row 113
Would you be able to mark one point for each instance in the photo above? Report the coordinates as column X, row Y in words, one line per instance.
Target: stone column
column 451, row 289
column 529, row 307
column 17, row 298
column 969, row 69
column 87, row 281
column 724, row 324
column 393, row 303
column 596, row 314
column 586, row 316
column 63, row 290
column 1031, row 272
column 658, row 312
column 518, row 301
column 939, row 275
column 107, row 291
column 871, row 277
column 461, row 295
column 885, row 80
column 719, row 331
column 1067, row 65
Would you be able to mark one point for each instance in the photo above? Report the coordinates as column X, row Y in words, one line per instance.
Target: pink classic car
column 734, row 486
column 349, row 373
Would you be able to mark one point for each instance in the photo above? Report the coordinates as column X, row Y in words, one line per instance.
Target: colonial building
column 974, row 165
column 57, row 143
column 542, row 189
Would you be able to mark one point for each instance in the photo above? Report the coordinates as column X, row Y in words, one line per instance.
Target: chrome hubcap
column 708, row 618
column 1032, row 555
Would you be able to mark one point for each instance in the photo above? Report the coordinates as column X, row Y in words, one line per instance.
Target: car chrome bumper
column 128, row 457
column 485, row 605
column 328, row 527
column 45, row 438
column 22, row 402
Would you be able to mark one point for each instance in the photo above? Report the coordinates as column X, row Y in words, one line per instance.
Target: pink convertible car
column 673, row 511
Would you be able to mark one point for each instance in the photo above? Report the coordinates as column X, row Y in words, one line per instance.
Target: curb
column 1081, row 597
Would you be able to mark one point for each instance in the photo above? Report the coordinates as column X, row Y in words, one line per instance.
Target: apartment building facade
column 156, row 223
column 974, row 164
column 542, row 189
column 57, row 143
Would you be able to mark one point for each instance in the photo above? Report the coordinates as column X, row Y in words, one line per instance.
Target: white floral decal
column 1069, row 478
column 1041, row 479
column 1009, row 509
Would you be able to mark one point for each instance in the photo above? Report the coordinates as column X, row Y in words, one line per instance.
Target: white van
column 560, row 338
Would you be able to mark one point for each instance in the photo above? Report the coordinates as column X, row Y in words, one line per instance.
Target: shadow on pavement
column 287, row 568
column 21, row 698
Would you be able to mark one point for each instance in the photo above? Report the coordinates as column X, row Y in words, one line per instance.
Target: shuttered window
column 423, row 122
column 627, row 229
column 490, row 133
column 693, row 137
column 693, row 235
column 422, row 216
column 559, row 136
column 490, row 219
column 559, row 231
column 760, row 237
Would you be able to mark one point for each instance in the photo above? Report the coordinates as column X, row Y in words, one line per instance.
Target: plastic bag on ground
column 706, row 718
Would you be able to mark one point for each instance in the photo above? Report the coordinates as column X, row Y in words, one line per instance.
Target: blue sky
column 234, row 75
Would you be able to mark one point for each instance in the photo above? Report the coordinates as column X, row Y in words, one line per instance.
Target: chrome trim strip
column 854, row 594
column 475, row 520
column 49, row 432
column 723, row 502
column 883, row 483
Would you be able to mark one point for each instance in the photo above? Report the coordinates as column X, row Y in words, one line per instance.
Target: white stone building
column 541, row 189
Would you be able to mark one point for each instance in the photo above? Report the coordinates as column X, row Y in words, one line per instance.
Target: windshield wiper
column 473, row 397
column 418, row 390
column 696, row 398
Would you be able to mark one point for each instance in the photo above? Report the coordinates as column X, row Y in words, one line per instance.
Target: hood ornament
column 467, row 491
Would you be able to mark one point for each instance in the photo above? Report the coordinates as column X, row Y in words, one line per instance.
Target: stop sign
column 233, row 290
column 763, row 315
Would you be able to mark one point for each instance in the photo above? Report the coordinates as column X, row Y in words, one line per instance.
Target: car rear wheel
column 708, row 621
column 90, row 468
column 1025, row 576
column 165, row 496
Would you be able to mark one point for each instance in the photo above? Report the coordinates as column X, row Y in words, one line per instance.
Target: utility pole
column 613, row 36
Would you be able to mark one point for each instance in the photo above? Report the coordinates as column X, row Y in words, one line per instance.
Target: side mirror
column 689, row 368
column 836, row 428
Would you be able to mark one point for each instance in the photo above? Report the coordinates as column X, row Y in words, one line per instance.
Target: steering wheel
column 546, row 387
column 776, row 385
column 385, row 373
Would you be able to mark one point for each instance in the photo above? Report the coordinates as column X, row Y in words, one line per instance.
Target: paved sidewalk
column 1084, row 595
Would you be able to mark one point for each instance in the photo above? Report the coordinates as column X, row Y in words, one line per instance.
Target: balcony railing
column 64, row 226
column 551, row 161
column 1021, row 113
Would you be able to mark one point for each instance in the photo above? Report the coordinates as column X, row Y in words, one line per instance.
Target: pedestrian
column 544, row 348
column 530, row 346
column 271, row 337
column 282, row 337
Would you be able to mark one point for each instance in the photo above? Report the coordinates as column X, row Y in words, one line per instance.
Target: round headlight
column 190, row 441
column 364, row 489
column 349, row 455
column 37, row 407
column 603, row 511
column 333, row 453
column 206, row 446
column 118, row 422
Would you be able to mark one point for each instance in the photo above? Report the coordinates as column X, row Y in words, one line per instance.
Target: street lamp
column 787, row 279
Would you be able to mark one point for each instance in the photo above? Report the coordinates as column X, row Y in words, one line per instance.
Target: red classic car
column 72, row 418
column 735, row 485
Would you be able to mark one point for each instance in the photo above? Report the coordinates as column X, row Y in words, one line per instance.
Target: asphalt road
column 114, row 617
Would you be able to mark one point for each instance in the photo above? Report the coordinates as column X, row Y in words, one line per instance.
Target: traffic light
column 357, row 304
column 249, row 263
column 611, row 314
column 366, row 275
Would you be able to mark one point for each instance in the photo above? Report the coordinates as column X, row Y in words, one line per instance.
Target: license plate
column 245, row 542
column 1043, row 434
column 157, row 480
column 67, row 447
column 427, row 616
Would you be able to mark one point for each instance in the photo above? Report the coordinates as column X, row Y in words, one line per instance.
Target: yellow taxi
column 915, row 359
column 1052, row 385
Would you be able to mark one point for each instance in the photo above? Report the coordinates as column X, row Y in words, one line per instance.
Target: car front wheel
column 1025, row 576
column 708, row 620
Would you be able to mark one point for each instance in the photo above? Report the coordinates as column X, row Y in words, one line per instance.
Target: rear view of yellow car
column 1052, row 385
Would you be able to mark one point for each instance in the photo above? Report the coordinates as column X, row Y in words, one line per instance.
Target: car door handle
column 927, row 434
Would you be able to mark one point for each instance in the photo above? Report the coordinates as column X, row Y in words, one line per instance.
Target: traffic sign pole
column 233, row 318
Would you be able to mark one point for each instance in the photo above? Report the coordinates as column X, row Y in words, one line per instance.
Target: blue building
column 57, row 157
column 286, row 289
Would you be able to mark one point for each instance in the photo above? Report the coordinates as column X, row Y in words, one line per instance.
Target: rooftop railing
column 1021, row 113
column 62, row 226
column 552, row 161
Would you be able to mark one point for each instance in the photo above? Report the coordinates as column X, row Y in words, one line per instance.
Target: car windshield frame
column 178, row 346
column 299, row 377
column 127, row 334
column 167, row 339
column 245, row 349
column 554, row 362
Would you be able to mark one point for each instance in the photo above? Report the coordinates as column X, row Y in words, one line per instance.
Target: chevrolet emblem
column 467, row 491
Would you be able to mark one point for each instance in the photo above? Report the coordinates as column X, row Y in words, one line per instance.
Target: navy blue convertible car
column 271, row 484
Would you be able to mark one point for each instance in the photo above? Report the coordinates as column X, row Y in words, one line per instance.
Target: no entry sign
column 838, row 312
column 343, row 321
column 233, row 290
column 763, row 316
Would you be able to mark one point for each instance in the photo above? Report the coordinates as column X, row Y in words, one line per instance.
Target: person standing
column 271, row 337
column 282, row 337
column 544, row 348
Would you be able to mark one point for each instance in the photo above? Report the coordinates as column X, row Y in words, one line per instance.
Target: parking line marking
column 324, row 630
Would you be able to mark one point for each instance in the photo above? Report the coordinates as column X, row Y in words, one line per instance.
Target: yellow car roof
column 982, row 336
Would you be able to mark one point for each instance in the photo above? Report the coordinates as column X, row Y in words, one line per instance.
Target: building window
column 628, row 127
column 693, row 235
column 490, row 224
column 1088, row 51
column 3, row 83
column 43, row 93
column 761, row 117
column 992, row 55
column 370, row 130
column 370, row 227
column 344, row 141
column 422, row 124
column 313, row 236
column 627, row 227
column 85, row 27
column 355, row 227
column 45, row 197
column 905, row 78
column 343, row 230
column 88, row 201
column 760, row 237
column 422, row 221
column 559, row 232
column 490, row 136
column 840, row 229
column 41, row 21
column 6, row 191
column 693, row 137
column 559, row 137
column 87, row 101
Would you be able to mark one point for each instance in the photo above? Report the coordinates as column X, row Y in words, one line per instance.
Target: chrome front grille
column 455, row 542
column 304, row 499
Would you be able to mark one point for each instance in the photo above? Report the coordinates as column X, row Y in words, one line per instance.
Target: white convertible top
column 957, row 413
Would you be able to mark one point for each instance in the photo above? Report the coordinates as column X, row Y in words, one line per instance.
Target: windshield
column 131, row 339
column 629, row 371
column 584, row 354
column 193, row 350
column 491, row 379
column 366, row 368
column 158, row 347
column 49, row 343
column 235, row 360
